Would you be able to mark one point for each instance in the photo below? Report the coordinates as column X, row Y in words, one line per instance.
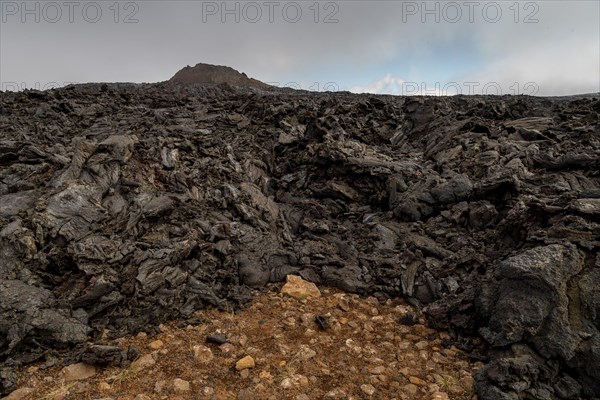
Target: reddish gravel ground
column 364, row 353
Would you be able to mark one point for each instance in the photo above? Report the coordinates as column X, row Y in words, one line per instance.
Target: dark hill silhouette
column 215, row 74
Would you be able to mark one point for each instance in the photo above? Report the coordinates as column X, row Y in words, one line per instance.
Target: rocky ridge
column 125, row 206
column 203, row 74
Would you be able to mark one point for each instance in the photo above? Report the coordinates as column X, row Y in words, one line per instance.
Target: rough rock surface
column 123, row 206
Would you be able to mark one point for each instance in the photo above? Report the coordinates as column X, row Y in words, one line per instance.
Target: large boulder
column 541, row 297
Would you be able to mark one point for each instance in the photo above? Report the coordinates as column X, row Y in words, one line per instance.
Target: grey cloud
column 367, row 37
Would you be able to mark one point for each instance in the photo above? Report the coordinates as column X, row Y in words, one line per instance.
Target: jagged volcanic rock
column 122, row 206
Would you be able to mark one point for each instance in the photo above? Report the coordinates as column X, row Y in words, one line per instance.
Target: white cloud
column 395, row 85
column 389, row 84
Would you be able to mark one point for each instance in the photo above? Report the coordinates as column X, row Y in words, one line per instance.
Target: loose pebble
column 246, row 362
column 180, row 385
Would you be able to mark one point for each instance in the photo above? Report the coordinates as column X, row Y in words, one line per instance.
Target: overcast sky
column 398, row 47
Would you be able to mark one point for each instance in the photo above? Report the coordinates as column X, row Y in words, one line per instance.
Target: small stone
column 455, row 389
column 227, row 348
column 309, row 332
column 409, row 319
column 265, row 375
column 246, row 362
column 298, row 288
column 302, row 397
column 439, row 396
column 353, row 346
column 294, row 382
column 203, row 354
column 308, row 319
column 141, row 335
column 421, row 345
column 367, row 389
column 142, row 397
column 344, row 305
column 336, row 393
column 78, row 372
column 155, row 345
column 207, row 391
column 180, row 385
column 104, row 386
column 306, row 352
column 159, row 386
column 438, row 358
column 451, row 352
column 143, row 362
column 216, row 338
column 444, row 335
column 417, row 381
column 286, row 383
column 245, row 373
column 410, row 389
column 322, row 322
column 19, row 394
column 438, row 379
column 378, row 370
column 242, row 340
